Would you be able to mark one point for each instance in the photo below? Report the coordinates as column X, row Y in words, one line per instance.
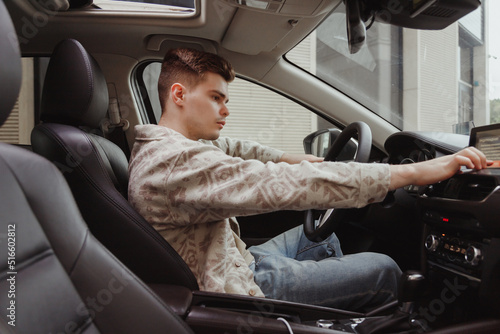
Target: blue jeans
column 292, row 268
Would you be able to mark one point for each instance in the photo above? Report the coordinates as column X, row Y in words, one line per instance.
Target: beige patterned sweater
column 190, row 190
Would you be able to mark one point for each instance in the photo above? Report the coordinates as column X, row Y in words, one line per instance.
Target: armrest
column 203, row 320
column 269, row 307
column 179, row 298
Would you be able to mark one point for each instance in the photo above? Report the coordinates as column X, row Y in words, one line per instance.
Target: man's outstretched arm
column 435, row 170
column 298, row 158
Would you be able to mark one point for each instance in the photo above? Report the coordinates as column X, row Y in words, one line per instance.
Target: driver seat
column 56, row 277
column 74, row 102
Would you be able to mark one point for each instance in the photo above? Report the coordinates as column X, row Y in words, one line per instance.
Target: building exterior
column 454, row 97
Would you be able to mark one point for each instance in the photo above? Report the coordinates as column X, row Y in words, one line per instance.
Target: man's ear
column 177, row 93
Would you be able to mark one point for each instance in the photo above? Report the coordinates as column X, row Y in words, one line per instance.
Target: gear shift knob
column 411, row 287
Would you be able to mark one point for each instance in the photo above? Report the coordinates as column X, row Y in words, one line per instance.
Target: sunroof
column 171, row 6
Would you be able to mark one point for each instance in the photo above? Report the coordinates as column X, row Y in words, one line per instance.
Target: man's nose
column 224, row 111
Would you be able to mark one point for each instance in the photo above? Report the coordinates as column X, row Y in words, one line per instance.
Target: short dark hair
column 190, row 66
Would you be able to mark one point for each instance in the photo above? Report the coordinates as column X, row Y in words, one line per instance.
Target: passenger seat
column 55, row 276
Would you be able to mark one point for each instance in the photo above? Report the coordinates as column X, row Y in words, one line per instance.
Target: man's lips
column 221, row 123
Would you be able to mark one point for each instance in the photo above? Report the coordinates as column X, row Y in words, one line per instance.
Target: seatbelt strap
column 114, row 127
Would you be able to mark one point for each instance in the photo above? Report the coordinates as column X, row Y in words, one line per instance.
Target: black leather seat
column 75, row 97
column 55, row 276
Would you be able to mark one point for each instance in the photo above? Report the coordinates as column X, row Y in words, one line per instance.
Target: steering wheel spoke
column 323, row 218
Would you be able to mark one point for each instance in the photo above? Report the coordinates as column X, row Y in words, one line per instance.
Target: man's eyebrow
column 219, row 93
column 224, row 97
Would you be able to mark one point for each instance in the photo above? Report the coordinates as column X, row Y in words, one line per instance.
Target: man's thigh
column 295, row 245
column 292, row 268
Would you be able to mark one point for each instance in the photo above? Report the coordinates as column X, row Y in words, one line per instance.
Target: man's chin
column 212, row 136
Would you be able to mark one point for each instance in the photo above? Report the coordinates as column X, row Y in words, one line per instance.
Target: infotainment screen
column 487, row 139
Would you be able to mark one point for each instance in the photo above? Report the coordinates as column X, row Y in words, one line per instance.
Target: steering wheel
column 331, row 219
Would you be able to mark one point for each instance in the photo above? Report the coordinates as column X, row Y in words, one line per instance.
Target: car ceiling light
column 271, row 5
column 282, row 7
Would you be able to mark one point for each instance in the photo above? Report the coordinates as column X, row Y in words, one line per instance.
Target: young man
column 189, row 183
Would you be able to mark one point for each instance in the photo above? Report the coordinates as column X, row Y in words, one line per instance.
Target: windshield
column 441, row 80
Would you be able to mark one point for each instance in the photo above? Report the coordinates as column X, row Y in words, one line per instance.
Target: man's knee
column 387, row 268
column 388, row 263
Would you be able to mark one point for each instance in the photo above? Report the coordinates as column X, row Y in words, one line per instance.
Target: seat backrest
column 75, row 97
column 56, row 277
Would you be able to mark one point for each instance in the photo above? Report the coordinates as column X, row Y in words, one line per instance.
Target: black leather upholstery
column 75, row 90
column 55, row 276
column 10, row 66
column 65, row 278
column 96, row 169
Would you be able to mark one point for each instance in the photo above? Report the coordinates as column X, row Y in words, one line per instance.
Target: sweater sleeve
column 207, row 185
column 246, row 149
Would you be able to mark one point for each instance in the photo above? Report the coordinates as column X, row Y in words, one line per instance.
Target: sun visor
column 240, row 38
column 274, row 19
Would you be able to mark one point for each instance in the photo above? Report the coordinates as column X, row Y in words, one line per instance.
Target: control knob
column 431, row 242
column 473, row 255
column 324, row 323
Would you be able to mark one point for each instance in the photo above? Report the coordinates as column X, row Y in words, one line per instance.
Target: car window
column 426, row 80
column 264, row 116
column 22, row 119
column 256, row 113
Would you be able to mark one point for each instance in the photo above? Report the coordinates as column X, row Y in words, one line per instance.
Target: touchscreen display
column 487, row 139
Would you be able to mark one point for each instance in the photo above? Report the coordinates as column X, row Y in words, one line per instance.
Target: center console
column 462, row 245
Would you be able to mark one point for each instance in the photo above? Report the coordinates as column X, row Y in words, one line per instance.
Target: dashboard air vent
column 465, row 187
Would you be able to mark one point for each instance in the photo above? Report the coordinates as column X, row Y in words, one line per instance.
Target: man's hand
column 435, row 170
column 298, row 158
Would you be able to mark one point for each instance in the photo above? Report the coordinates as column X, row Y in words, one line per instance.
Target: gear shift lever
column 411, row 288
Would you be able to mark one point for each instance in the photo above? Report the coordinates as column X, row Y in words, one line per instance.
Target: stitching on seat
column 89, row 71
column 84, row 325
column 77, row 258
column 20, row 266
column 51, row 133
column 49, row 250
column 41, row 255
column 106, row 162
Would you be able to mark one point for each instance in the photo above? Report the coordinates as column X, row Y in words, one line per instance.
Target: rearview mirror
column 356, row 29
column 420, row 14
column 416, row 14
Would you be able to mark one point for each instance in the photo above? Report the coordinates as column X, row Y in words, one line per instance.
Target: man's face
column 205, row 107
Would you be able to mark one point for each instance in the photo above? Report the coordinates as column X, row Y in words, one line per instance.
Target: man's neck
column 173, row 125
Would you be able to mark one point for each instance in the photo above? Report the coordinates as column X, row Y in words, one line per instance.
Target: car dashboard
column 460, row 249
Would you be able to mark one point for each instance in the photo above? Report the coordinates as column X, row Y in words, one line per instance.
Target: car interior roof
column 132, row 38
column 123, row 32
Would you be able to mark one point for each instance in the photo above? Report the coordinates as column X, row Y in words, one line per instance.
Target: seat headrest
column 74, row 90
column 10, row 64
